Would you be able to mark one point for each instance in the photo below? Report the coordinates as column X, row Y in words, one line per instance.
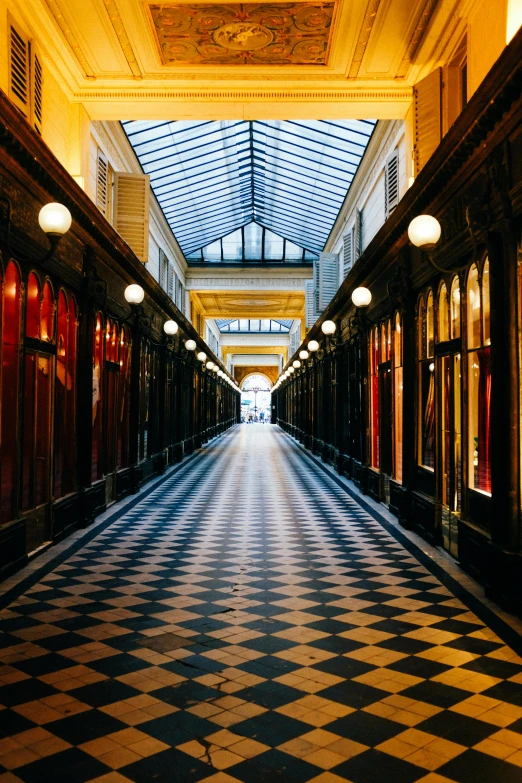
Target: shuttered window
column 359, row 234
column 309, row 304
column 347, row 252
column 131, row 211
column 328, row 278
column 102, row 183
column 19, row 81
column 163, row 269
column 171, row 287
column 36, row 88
column 25, row 75
column 427, row 118
column 391, row 183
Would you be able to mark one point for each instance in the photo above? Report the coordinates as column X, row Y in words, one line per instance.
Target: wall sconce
column 54, row 219
column 202, row 356
column 134, row 294
column 296, row 364
column 328, row 328
column 209, row 365
column 170, row 328
column 190, row 345
column 361, row 297
column 424, row 231
column 291, row 369
column 313, row 346
column 303, row 355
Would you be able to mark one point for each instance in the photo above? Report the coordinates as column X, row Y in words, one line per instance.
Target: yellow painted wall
column 487, row 26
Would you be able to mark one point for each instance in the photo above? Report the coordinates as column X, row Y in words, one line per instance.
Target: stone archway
column 241, row 373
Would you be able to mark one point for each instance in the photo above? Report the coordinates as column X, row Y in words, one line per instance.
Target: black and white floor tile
column 248, row 620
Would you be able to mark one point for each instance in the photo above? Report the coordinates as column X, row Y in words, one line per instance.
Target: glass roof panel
column 214, row 178
column 254, row 325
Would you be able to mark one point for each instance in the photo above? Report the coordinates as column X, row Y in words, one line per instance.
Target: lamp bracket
column 5, row 234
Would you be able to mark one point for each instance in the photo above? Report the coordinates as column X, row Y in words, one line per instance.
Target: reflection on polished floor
column 248, row 620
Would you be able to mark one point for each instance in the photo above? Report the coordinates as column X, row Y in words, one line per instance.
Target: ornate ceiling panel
column 242, row 33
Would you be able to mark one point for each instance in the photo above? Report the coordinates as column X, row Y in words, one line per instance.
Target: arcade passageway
column 249, row 620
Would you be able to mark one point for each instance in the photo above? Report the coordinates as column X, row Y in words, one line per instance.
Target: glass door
column 451, row 449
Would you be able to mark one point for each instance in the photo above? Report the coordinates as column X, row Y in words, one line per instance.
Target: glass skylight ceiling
column 254, row 325
column 252, row 243
column 213, row 178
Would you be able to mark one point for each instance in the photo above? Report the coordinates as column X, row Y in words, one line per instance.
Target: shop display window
column 124, row 399
column 97, row 398
column 38, row 391
column 65, row 397
column 479, row 379
column 397, row 397
column 426, row 389
column 10, row 311
column 455, row 309
column 374, row 397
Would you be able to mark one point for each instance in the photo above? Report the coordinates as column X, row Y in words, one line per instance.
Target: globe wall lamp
column 170, row 328
column 328, row 328
column 361, row 297
column 291, row 369
column 424, row 232
column 209, row 365
column 296, row 364
column 54, row 219
column 190, row 345
column 313, row 346
column 303, row 355
column 202, row 356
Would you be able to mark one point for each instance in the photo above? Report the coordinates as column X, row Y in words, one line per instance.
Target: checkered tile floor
column 249, row 621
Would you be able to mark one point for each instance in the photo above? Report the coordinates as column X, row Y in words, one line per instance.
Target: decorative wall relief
column 242, row 33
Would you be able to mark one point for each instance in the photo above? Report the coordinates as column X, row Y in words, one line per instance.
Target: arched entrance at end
column 256, row 398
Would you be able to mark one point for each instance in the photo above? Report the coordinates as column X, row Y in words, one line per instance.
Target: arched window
column 455, row 308
column 374, row 397
column 444, row 333
column 479, row 380
column 97, row 398
column 397, row 397
column 38, row 391
column 124, row 399
column 10, row 311
column 426, row 384
column 65, row 398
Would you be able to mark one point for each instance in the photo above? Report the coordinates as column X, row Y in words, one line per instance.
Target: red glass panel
column 37, row 429
column 97, row 417
column 65, row 391
column 32, row 317
column 124, row 401
column 374, row 397
column 47, row 318
column 10, row 377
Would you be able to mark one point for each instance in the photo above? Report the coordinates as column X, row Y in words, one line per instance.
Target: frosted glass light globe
column 296, row 363
column 54, row 218
column 170, row 327
column 313, row 346
column 303, row 355
column 424, row 231
column 190, row 345
column 202, row 356
column 134, row 294
column 291, row 369
column 361, row 297
column 209, row 365
column 328, row 327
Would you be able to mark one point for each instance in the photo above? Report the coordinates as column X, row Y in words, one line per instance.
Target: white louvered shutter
column 391, row 183
column 309, row 303
column 19, row 70
column 131, row 211
column 347, row 252
column 427, row 102
column 102, row 183
column 163, row 269
column 36, row 88
column 171, row 282
column 358, row 234
column 328, row 278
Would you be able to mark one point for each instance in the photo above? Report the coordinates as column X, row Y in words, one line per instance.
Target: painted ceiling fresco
column 242, row 33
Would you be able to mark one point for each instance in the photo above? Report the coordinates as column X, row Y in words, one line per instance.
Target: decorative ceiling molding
column 364, row 37
column 123, row 38
column 416, row 39
column 261, row 33
column 347, row 96
column 71, row 40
